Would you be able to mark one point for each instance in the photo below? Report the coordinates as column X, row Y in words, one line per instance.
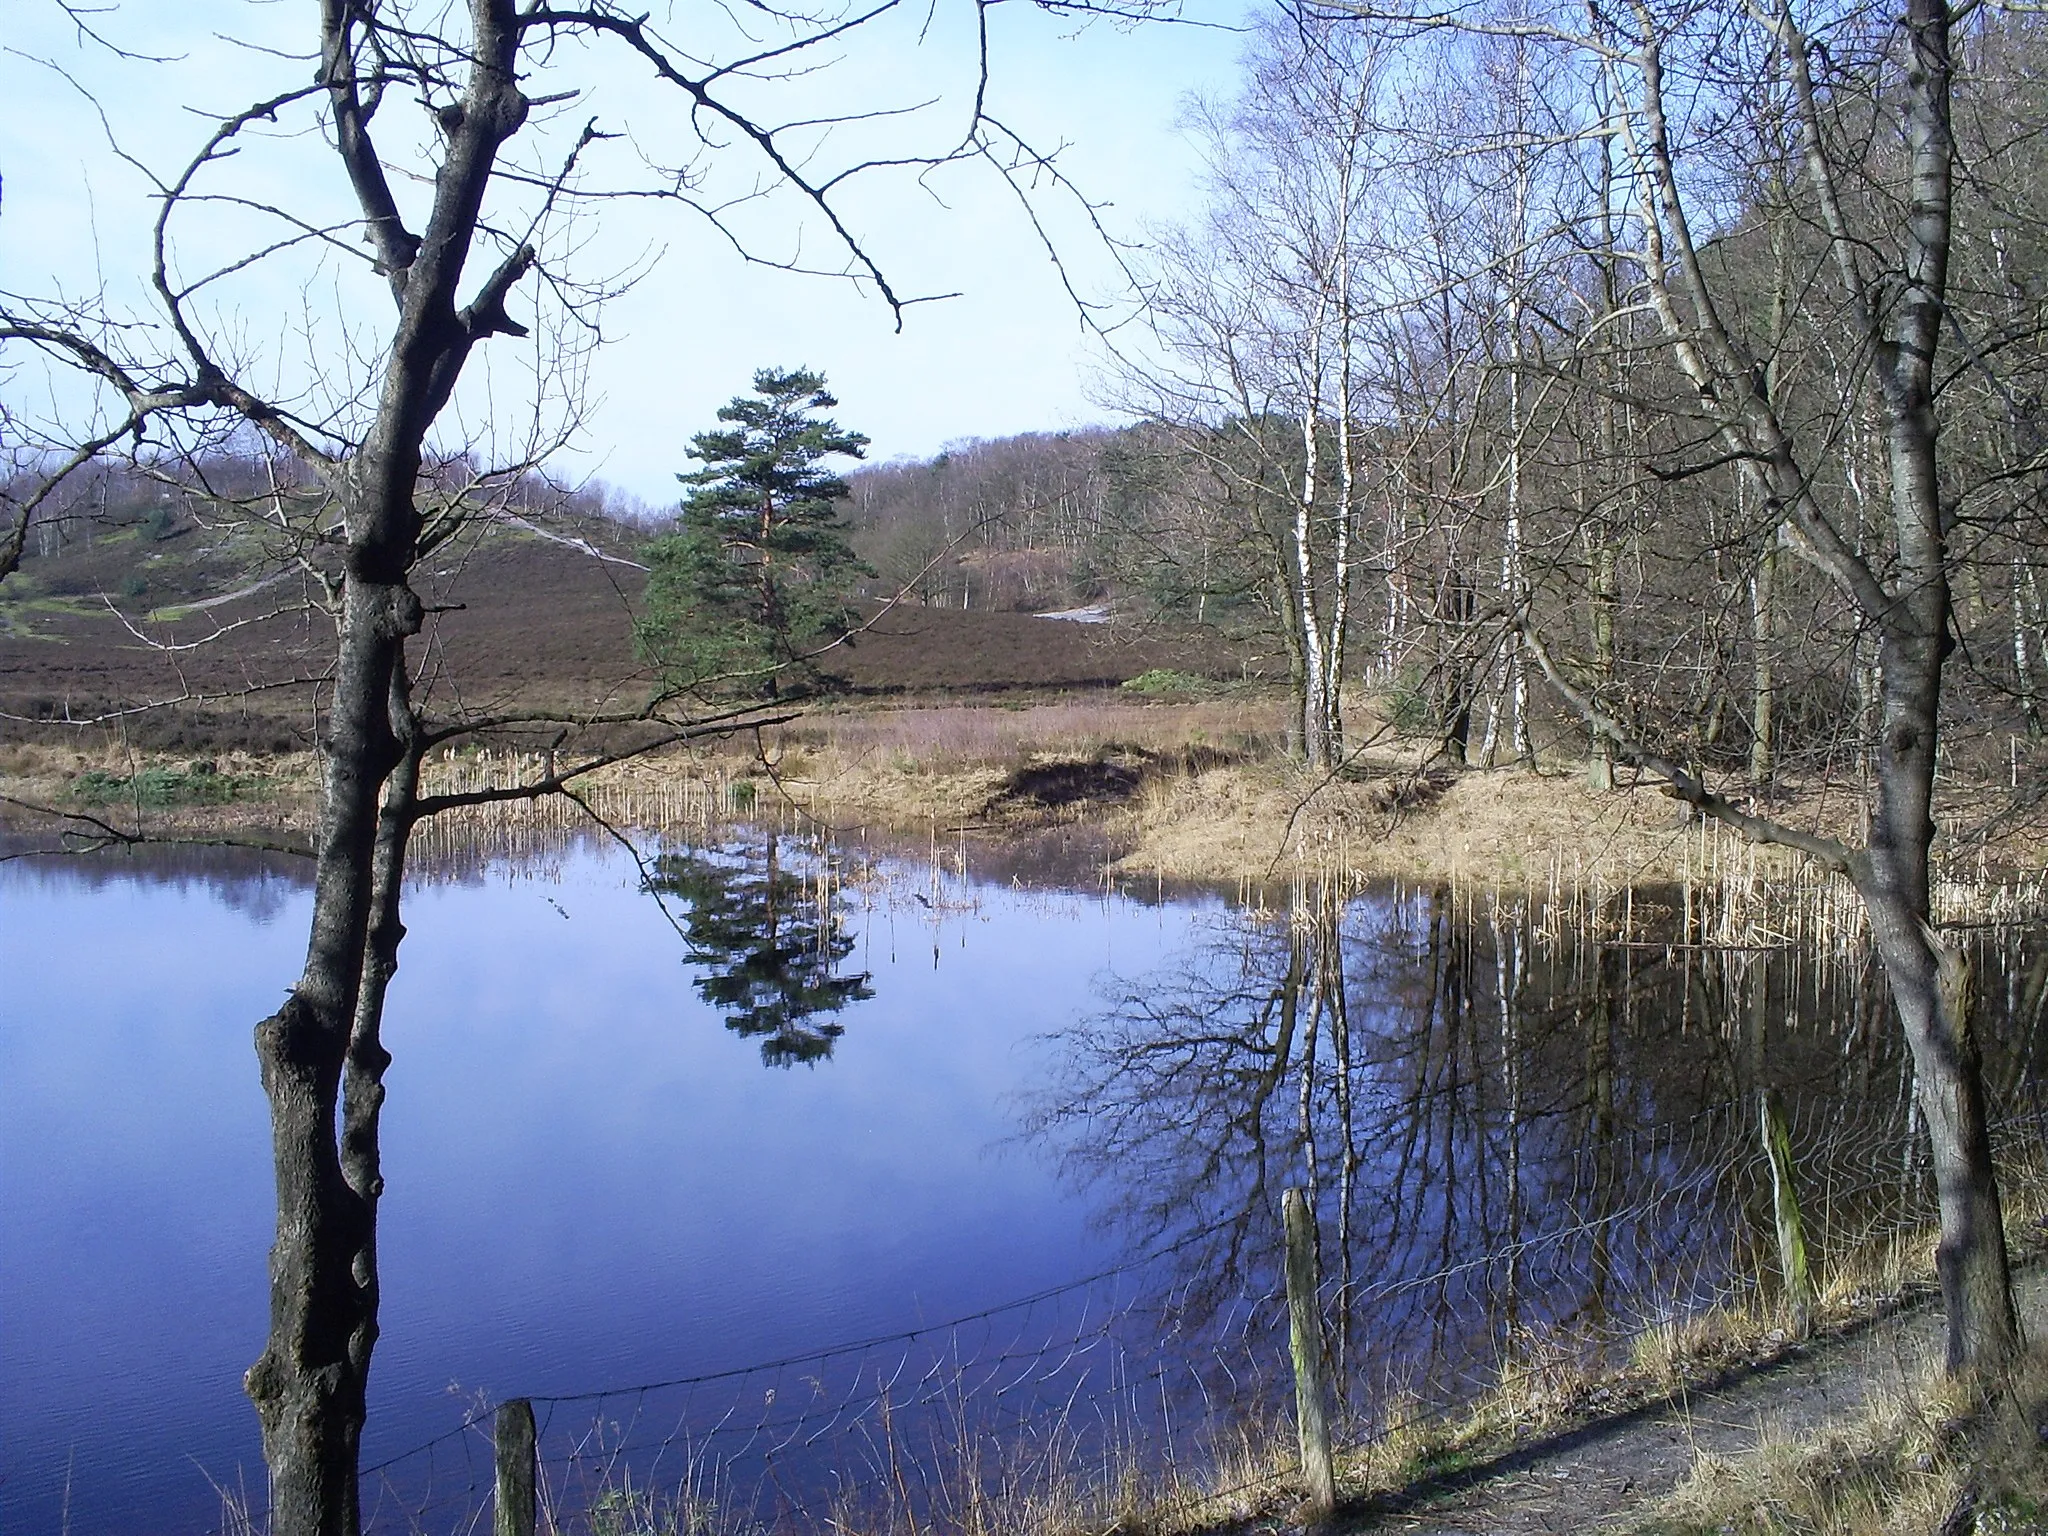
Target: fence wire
column 1149, row 1372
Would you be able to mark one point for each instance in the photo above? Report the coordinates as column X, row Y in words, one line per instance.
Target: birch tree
column 1262, row 315
column 1871, row 153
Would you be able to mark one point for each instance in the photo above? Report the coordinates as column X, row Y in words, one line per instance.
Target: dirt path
column 1601, row 1476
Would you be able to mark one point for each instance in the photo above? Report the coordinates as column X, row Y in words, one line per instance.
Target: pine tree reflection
column 771, row 941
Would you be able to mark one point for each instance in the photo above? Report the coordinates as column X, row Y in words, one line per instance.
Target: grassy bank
column 1194, row 790
column 1939, row 1456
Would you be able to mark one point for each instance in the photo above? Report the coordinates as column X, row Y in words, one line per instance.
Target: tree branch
column 1681, row 782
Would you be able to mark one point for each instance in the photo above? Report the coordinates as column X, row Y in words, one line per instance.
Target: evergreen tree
column 771, row 950
column 759, row 574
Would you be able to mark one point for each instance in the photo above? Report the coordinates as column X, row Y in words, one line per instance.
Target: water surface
column 591, row 1180
column 647, row 1160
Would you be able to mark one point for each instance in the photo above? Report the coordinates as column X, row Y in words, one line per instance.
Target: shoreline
column 1176, row 814
column 1179, row 808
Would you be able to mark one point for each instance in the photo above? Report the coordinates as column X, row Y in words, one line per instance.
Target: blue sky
column 1009, row 354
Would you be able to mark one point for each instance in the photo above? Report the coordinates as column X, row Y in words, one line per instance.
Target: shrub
column 1163, row 683
column 1410, row 711
column 198, row 784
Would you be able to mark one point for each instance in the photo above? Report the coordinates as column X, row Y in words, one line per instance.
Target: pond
column 650, row 1161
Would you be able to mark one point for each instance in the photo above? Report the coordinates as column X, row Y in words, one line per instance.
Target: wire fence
column 1084, row 1372
column 1541, row 1248
column 1159, row 1379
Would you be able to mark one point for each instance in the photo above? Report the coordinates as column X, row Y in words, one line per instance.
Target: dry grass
column 1938, row 1455
column 24, row 763
column 1899, row 1468
column 1679, row 1350
column 274, row 791
column 951, row 736
column 1925, row 1456
column 1216, row 799
column 981, row 1492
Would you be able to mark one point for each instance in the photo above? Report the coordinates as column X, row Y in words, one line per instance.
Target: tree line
column 1681, row 363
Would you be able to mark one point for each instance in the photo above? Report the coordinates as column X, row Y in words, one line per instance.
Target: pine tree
column 770, row 955
column 758, row 576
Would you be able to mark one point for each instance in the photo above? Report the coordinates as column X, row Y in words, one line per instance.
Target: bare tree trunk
column 1929, row 981
column 1762, row 630
column 1606, row 561
column 1457, row 605
column 1515, row 683
column 1514, row 580
column 2025, row 617
column 1309, row 706
column 309, row 1383
column 1606, row 597
column 1976, row 1285
column 1340, row 538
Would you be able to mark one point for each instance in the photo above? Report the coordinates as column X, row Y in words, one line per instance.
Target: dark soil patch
column 1112, row 777
column 1052, row 786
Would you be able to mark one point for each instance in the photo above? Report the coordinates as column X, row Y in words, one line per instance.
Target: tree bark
column 1311, row 705
column 1917, row 637
column 1457, row 606
column 309, row 1384
column 1763, row 695
column 1930, row 991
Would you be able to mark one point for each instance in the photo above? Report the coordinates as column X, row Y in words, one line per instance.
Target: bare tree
column 1692, row 264
column 1262, row 314
column 1878, row 291
column 440, row 154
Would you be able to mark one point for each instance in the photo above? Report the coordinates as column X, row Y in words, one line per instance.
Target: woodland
column 1673, row 372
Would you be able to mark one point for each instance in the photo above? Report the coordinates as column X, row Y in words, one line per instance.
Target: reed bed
column 1727, row 893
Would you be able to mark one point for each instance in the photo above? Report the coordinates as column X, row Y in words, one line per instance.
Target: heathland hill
column 154, row 611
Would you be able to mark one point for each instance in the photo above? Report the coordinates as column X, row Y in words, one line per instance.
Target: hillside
column 215, row 621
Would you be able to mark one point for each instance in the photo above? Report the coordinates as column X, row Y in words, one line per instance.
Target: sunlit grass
column 1937, row 1454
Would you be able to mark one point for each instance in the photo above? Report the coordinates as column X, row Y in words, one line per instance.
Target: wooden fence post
column 513, row 1451
column 1785, row 1214
column 1305, row 1338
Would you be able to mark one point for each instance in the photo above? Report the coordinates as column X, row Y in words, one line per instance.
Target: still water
column 590, row 1179
column 808, row 1098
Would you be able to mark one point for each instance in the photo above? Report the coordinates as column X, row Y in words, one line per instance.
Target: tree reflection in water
column 1513, row 1137
column 770, row 940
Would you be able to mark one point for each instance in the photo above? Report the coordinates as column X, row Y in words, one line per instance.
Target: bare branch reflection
column 1514, row 1131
